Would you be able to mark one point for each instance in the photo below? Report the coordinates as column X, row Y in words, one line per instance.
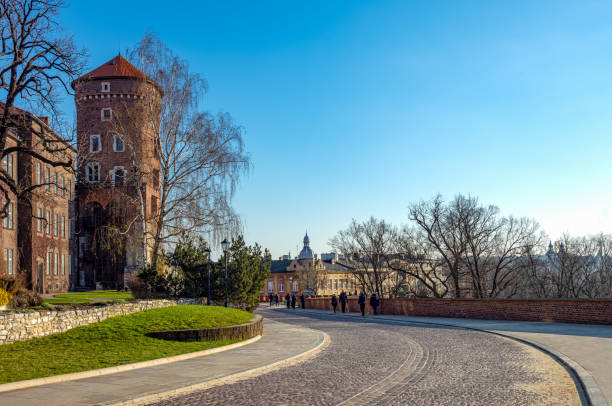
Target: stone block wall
column 563, row 311
column 238, row 332
column 23, row 326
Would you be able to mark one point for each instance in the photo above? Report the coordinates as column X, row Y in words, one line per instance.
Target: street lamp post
column 224, row 246
column 207, row 252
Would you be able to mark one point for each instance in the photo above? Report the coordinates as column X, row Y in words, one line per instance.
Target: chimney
column 45, row 120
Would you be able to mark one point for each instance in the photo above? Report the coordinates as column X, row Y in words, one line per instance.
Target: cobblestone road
column 381, row 363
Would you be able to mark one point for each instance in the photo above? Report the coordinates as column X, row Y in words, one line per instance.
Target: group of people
column 343, row 298
column 290, row 299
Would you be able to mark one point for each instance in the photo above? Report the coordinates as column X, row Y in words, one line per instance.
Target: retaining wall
column 563, row 311
column 23, row 326
column 238, row 332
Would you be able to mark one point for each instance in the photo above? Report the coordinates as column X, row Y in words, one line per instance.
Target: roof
column 118, row 67
column 279, row 265
column 306, row 253
column 336, row 266
column 17, row 111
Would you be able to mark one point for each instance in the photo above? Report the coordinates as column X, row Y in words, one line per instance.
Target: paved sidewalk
column 588, row 345
column 280, row 341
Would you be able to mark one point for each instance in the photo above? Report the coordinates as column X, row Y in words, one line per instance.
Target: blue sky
column 356, row 108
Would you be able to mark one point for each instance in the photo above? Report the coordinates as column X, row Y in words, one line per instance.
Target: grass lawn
column 87, row 297
column 115, row 341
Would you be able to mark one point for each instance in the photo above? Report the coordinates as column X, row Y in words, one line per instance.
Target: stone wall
column 23, row 326
column 238, row 332
column 563, row 311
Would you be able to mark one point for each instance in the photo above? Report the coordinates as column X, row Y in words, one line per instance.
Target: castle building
column 118, row 172
column 35, row 234
column 309, row 274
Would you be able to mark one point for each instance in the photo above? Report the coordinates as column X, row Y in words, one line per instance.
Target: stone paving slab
column 588, row 345
column 279, row 342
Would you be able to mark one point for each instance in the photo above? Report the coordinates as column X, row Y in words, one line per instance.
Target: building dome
column 306, row 252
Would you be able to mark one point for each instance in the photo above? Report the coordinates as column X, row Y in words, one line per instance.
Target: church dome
column 306, row 252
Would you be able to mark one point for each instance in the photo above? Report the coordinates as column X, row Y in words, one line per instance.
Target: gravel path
column 370, row 362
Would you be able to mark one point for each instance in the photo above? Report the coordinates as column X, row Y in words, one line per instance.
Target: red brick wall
column 564, row 311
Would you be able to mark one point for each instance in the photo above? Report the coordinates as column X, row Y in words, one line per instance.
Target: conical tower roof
column 118, row 67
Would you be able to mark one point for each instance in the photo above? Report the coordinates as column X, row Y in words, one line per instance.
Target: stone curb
column 30, row 383
column 237, row 332
column 324, row 341
column 589, row 391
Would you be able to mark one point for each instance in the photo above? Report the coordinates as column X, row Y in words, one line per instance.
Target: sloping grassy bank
column 88, row 297
column 115, row 341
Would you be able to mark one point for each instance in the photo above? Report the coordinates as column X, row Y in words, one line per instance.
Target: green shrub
column 5, row 297
column 118, row 301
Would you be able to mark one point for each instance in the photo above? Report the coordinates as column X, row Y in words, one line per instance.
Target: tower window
column 118, row 176
column 92, row 172
column 95, row 143
column 118, row 145
column 106, row 114
column 106, row 87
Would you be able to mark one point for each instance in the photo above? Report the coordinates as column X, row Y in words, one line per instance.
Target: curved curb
column 228, row 379
column 242, row 331
column 589, row 392
column 30, row 383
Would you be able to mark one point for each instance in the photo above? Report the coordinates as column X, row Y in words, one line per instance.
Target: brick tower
column 118, row 173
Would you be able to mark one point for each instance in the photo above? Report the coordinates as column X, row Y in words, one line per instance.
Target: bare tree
column 419, row 262
column 439, row 224
column 495, row 248
column 579, row 267
column 483, row 253
column 366, row 246
column 38, row 60
column 311, row 276
column 202, row 155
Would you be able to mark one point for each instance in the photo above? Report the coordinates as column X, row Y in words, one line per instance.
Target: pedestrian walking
column 361, row 301
column 374, row 301
column 271, row 298
column 302, row 301
column 288, row 299
column 334, row 302
column 343, row 300
column 276, row 299
column 293, row 300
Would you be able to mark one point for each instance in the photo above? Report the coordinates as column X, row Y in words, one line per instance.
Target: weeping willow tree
column 202, row 155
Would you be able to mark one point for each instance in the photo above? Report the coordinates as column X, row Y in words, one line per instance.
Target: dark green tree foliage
column 248, row 268
column 190, row 260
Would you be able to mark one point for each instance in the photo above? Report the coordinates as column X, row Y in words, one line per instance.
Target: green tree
column 190, row 259
column 248, row 267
